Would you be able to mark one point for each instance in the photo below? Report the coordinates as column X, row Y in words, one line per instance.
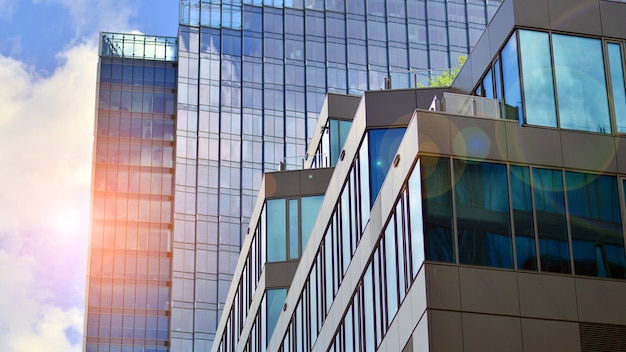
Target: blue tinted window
column 617, row 83
column 551, row 222
column 415, row 220
column 368, row 310
column 383, row 144
column 231, row 43
column 510, row 79
column 275, row 301
column 293, row 229
column 391, row 270
column 523, row 218
column 581, row 84
column 488, row 85
column 497, row 79
column 276, row 230
column 596, row 225
column 483, row 220
column 333, row 131
column 537, row 73
column 437, row 209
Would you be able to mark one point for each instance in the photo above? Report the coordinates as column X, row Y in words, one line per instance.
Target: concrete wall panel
column 489, row 333
column 547, row 296
column 550, row 336
column 489, row 291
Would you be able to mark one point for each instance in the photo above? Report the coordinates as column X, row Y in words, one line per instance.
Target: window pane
column 551, row 223
column 488, row 85
column 617, row 83
column 415, row 221
column 510, row 80
column 310, row 209
column 596, row 225
column 383, row 144
column 437, row 209
column 391, row 270
column 483, row 220
column 581, row 85
column 523, row 218
column 293, row 229
column 276, row 230
column 537, row 73
column 275, row 301
column 334, row 141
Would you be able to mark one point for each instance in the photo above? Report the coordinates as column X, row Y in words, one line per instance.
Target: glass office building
column 252, row 77
column 486, row 216
column 130, row 255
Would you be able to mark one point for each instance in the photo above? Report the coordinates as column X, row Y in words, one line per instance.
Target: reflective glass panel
column 391, row 271
column 551, row 222
column 293, row 229
column 310, row 209
column 483, row 221
column 488, row 85
column 437, row 209
column 581, row 84
column 617, row 83
column 523, row 218
column 383, row 144
column 415, row 220
column 275, row 301
column 596, row 225
column 276, row 230
column 537, row 73
column 510, row 80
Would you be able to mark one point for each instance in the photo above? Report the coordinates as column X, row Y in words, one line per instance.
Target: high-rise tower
column 252, row 78
column 128, row 285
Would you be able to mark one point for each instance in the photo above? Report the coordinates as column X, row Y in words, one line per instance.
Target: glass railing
column 138, row 46
column 470, row 105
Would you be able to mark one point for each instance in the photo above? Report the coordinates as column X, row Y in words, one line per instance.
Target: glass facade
column 252, row 76
column 560, row 87
column 129, row 280
column 593, row 215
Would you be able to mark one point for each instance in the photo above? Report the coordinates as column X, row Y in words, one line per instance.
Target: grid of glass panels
column 552, row 210
column 129, row 280
column 561, row 88
column 253, row 75
column 594, row 208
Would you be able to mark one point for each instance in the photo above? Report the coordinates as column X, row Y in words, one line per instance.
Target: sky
column 48, row 65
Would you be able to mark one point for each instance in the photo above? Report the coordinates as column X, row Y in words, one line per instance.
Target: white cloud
column 7, row 8
column 26, row 322
column 93, row 16
column 46, row 129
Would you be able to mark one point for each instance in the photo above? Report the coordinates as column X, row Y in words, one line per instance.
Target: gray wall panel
column 532, row 13
column 442, row 283
column 540, row 146
column 550, row 336
column 547, row 296
column 446, row 331
column 578, row 16
column 601, row 301
column 478, row 138
column 489, row 333
column 434, row 133
column 489, row 291
column 387, row 109
column 613, row 15
column 588, row 151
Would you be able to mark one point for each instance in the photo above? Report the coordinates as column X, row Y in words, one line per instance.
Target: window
column 482, row 211
column 581, row 84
